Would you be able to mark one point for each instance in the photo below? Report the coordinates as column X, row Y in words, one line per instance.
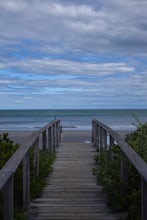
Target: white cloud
column 43, row 42
column 85, row 27
column 61, row 66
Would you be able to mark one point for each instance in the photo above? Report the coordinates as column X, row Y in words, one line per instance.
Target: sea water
column 117, row 119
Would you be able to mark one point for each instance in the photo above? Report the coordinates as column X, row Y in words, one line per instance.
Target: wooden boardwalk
column 71, row 192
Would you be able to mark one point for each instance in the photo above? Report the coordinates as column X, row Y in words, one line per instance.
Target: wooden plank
column 71, row 191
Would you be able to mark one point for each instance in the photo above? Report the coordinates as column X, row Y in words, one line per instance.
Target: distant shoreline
column 117, row 119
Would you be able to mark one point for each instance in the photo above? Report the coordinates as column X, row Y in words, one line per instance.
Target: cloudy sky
column 73, row 54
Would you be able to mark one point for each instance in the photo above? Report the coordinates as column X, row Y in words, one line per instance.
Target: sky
column 73, row 54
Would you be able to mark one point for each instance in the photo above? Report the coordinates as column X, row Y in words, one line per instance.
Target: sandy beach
column 76, row 136
column 85, row 136
column 17, row 136
column 67, row 135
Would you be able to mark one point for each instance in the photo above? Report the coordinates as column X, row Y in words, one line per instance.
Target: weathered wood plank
column 71, row 191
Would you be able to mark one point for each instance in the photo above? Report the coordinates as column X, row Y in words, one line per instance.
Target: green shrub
column 7, row 148
column 45, row 168
column 123, row 195
column 108, row 174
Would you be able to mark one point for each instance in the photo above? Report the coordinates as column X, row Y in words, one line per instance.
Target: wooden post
column 111, row 141
column 143, row 199
column 101, row 143
column 104, row 139
column 36, row 157
column 44, row 144
column 111, row 154
column 123, row 168
column 8, row 199
column 92, row 134
column 26, row 181
column 49, row 140
column 59, row 132
column 53, row 139
column 57, row 135
column 97, row 137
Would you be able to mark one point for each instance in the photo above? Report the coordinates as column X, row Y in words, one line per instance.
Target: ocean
column 117, row 119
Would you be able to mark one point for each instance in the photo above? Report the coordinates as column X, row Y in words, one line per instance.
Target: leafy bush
column 45, row 168
column 123, row 195
column 138, row 141
column 7, row 148
column 108, row 174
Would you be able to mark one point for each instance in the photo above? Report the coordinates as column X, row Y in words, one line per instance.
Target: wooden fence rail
column 50, row 136
column 102, row 137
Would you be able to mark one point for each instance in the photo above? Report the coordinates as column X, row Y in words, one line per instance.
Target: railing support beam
column 144, row 199
column 8, row 199
column 44, row 144
column 50, row 140
column 26, row 181
column 36, row 157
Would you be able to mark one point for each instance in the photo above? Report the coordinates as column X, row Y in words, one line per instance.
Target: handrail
column 100, row 134
column 50, row 136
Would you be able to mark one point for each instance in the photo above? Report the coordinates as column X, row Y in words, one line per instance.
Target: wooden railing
column 102, row 137
column 50, row 136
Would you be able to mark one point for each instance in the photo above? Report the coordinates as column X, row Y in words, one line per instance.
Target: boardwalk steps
column 71, row 192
